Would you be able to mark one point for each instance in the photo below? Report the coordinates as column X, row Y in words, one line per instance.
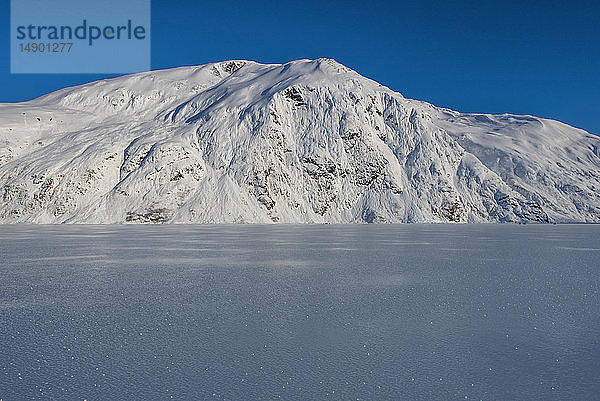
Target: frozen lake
column 426, row 312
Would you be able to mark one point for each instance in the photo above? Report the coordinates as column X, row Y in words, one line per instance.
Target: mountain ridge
column 309, row 141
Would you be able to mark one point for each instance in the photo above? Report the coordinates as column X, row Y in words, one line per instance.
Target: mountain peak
column 308, row 141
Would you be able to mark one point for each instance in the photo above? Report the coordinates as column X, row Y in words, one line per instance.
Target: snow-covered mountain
column 309, row 141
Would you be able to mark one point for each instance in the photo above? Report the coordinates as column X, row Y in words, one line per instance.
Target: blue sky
column 524, row 57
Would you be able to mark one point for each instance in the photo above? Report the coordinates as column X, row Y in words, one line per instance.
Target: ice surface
column 489, row 312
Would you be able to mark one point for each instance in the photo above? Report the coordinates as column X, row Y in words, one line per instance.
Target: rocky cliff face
column 310, row 141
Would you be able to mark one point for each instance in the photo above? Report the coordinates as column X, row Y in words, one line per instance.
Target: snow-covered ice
column 370, row 312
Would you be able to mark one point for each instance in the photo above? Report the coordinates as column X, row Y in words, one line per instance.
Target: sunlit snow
column 301, row 142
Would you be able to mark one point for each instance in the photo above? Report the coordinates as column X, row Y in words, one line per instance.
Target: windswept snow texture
column 312, row 312
column 310, row 141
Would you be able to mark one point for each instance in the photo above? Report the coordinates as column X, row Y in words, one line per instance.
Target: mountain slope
column 310, row 141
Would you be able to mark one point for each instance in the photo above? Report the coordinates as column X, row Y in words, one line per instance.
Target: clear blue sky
column 524, row 57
